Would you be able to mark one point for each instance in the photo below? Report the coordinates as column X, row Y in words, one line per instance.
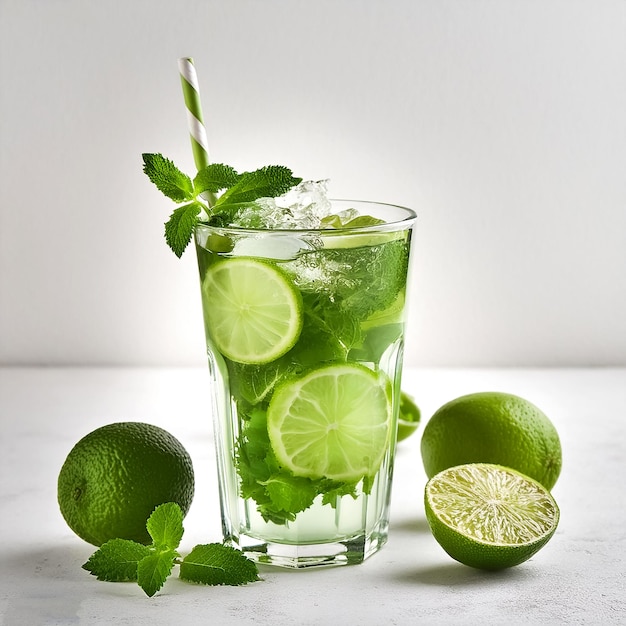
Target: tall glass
column 288, row 497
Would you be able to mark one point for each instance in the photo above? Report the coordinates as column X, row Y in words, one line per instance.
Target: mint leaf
column 165, row 526
column 377, row 275
column 331, row 327
column 375, row 341
column 253, row 383
column 179, row 228
column 167, row 177
column 116, row 560
column 290, row 493
column 322, row 339
column 216, row 564
column 338, row 490
column 214, row 178
column 266, row 182
column 153, row 570
column 378, row 278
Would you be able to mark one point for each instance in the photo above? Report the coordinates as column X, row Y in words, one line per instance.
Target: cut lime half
column 332, row 422
column 488, row 516
column 253, row 312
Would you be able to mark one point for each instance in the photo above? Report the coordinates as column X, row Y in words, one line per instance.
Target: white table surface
column 578, row 578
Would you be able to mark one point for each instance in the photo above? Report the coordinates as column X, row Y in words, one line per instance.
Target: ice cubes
column 279, row 246
column 303, row 207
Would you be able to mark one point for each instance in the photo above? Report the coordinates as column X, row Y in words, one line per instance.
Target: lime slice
column 334, row 239
column 254, row 313
column 332, row 422
column 488, row 516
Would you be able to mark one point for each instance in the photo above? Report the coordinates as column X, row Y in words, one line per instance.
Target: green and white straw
column 195, row 121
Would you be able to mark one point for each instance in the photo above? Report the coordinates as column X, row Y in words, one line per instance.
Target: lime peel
column 116, row 475
column 409, row 416
column 493, row 427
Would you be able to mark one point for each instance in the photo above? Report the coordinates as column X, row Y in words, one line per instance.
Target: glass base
column 350, row 551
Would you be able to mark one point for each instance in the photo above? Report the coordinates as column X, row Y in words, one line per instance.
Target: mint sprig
column 120, row 560
column 238, row 190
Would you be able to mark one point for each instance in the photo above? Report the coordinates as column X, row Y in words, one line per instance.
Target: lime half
column 332, row 422
column 254, row 313
column 488, row 516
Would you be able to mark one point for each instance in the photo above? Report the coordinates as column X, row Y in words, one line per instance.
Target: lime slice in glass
column 338, row 239
column 333, row 422
column 488, row 516
column 254, row 313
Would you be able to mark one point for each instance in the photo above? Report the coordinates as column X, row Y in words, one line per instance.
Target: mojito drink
column 304, row 323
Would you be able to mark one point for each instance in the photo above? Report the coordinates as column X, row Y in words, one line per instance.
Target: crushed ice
column 303, row 207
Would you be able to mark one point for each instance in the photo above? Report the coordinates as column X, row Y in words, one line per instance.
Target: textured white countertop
column 578, row 578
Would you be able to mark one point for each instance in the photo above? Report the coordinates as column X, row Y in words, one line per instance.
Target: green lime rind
column 488, row 516
column 340, row 239
column 332, row 422
column 493, row 427
column 114, row 478
column 255, row 313
column 409, row 416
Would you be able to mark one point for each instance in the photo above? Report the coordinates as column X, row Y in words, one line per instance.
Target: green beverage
column 303, row 301
column 304, row 333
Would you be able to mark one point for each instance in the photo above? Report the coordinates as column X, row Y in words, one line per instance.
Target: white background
column 502, row 123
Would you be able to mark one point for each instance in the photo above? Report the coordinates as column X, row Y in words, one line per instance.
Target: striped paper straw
column 195, row 122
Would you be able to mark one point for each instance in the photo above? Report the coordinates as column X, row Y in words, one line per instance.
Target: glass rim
column 410, row 216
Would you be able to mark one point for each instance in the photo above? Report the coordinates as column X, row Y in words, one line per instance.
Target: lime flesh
column 333, row 423
column 254, row 313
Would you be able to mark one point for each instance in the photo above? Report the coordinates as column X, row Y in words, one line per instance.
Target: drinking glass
column 305, row 422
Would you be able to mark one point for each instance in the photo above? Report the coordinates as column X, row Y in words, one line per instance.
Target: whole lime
column 115, row 476
column 493, row 427
column 409, row 416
